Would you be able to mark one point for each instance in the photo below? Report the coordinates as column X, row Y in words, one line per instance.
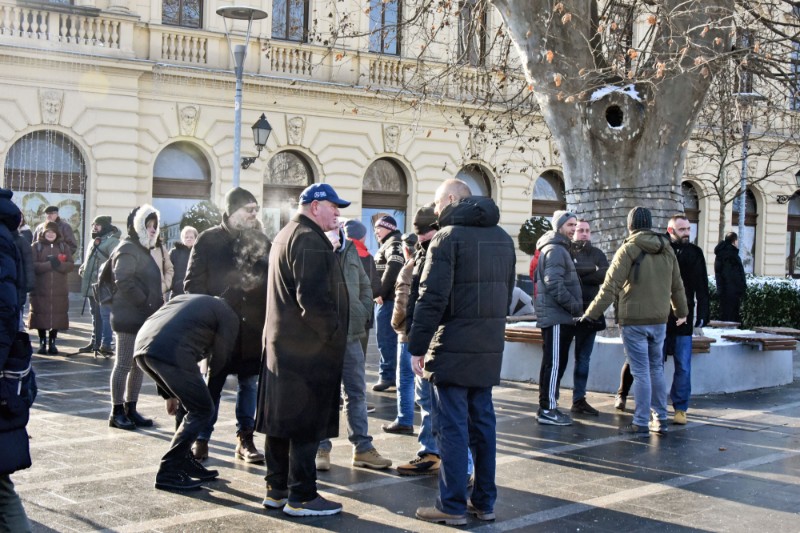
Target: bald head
column 450, row 192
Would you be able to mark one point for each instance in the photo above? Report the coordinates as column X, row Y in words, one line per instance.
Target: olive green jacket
column 646, row 291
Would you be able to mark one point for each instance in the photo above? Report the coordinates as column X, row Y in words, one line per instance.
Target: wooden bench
column 764, row 341
column 789, row 332
column 721, row 324
column 702, row 344
column 526, row 335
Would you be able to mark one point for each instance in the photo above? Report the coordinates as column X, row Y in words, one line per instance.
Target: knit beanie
column 560, row 218
column 424, row 220
column 236, row 199
column 409, row 240
column 103, row 221
column 387, row 222
column 639, row 218
column 354, row 229
column 52, row 226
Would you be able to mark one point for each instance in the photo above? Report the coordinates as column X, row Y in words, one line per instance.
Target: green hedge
column 768, row 302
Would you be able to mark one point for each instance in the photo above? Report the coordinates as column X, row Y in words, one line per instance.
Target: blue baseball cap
column 320, row 192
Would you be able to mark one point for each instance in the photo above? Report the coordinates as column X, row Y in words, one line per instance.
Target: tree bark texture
column 622, row 138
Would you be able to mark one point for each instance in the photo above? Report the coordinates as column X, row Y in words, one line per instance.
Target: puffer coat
column 558, row 289
column 50, row 301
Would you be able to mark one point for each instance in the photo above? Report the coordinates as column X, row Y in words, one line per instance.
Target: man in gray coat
column 558, row 303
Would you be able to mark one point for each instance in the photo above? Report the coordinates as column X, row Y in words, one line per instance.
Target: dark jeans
column 290, row 465
column 625, row 380
column 387, row 342
column 101, row 324
column 461, row 417
column 584, row 344
column 246, row 399
column 186, row 384
column 555, row 354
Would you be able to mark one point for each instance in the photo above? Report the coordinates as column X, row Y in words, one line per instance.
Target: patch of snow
column 629, row 89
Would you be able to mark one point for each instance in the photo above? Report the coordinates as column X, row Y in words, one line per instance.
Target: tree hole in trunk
column 614, row 116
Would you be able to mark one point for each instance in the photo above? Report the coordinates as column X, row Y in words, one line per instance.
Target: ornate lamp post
column 261, row 131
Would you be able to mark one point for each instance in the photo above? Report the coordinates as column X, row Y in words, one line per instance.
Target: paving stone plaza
column 734, row 467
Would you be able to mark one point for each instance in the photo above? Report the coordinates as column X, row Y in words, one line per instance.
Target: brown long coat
column 50, row 301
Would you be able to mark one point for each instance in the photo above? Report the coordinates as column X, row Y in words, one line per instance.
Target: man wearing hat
column 388, row 260
column 558, row 303
column 646, row 279
column 64, row 229
column 105, row 237
column 306, row 337
column 356, row 232
column 230, row 261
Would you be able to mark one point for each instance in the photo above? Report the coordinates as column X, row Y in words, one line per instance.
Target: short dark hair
column 584, row 220
column 679, row 216
column 731, row 237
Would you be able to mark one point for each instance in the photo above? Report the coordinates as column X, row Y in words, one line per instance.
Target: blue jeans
column 584, row 343
column 464, row 416
column 644, row 347
column 101, row 324
column 387, row 342
column 355, row 399
column 405, row 386
column 422, row 394
column 246, row 397
column 682, row 380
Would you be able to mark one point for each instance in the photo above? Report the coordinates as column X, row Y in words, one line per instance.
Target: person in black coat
column 730, row 277
column 180, row 258
column 389, row 260
column 458, row 330
column 304, row 341
column 230, row 261
column 138, row 295
column 27, row 278
column 15, row 399
column 168, row 347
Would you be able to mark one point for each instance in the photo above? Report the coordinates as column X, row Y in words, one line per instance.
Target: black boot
column 135, row 417
column 119, row 420
column 52, row 350
column 42, row 346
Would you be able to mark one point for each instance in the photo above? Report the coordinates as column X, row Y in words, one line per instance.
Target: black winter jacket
column 591, row 265
column 27, row 279
column 389, row 260
column 138, row 282
column 413, row 294
column 729, row 273
column 558, row 289
column 180, row 262
column 465, row 291
column 694, row 275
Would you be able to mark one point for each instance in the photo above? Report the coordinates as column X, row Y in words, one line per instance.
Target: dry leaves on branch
column 704, row 71
column 633, row 54
column 566, row 18
column 549, row 56
column 704, row 32
column 718, row 41
column 557, row 79
column 660, row 66
column 651, row 20
column 558, row 8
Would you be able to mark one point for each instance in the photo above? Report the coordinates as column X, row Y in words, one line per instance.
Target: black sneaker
column 635, row 431
column 193, row 468
column 319, row 506
column 89, row 348
column 382, row 386
column 397, row 429
column 176, row 480
column 275, row 498
column 583, row 407
column 553, row 417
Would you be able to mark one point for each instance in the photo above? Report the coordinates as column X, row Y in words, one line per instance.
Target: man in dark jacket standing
column 591, row 265
column 465, row 291
column 13, row 437
column 730, row 277
column 558, row 302
column 389, row 260
column 304, row 339
column 678, row 342
column 168, row 347
column 230, row 261
column 64, row 229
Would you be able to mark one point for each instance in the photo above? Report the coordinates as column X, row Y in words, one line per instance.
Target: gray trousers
column 12, row 515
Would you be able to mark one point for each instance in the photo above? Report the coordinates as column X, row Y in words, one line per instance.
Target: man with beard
column 305, row 339
column 230, row 261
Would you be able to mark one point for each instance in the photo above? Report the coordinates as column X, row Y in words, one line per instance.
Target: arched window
column 477, row 179
column 384, row 194
column 691, row 208
column 181, row 179
column 793, row 237
column 45, row 168
column 288, row 173
column 548, row 194
column 747, row 242
column 186, row 13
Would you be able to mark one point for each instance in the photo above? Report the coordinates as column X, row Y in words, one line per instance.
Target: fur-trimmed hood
column 137, row 221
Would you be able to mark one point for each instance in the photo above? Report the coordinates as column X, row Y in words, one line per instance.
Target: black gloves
column 54, row 262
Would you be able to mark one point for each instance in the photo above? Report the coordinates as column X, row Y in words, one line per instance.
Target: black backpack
column 106, row 286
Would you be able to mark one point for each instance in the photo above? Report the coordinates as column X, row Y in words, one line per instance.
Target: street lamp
column 238, row 54
column 261, row 131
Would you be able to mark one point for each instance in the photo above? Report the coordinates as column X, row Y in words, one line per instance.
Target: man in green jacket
column 105, row 237
column 646, row 278
column 359, row 291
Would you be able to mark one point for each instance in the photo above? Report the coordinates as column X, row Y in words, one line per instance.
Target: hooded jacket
column 465, row 290
column 10, row 267
column 558, row 290
column 136, row 276
column 646, row 291
column 729, row 273
column 64, row 229
column 97, row 253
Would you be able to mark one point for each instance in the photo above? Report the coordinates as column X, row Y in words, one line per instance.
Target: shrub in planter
column 531, row 230
column 767, row 302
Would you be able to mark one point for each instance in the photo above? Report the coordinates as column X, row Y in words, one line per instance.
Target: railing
column 387, row 72
column 289, row 58
column 43, row 25
column 184, row 47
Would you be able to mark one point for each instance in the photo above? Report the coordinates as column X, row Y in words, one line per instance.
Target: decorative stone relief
column 295, row 127
column 477, row 143
column 51, row 101
column 391, row 138
column 187, row 118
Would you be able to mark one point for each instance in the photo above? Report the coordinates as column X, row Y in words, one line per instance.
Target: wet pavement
column 734, row 467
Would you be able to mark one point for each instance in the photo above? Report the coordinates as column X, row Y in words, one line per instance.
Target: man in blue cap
column 305, row 336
